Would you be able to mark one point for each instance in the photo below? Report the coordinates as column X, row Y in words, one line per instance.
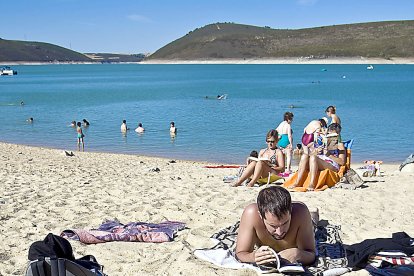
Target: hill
column 235, row 41
column 14, row 50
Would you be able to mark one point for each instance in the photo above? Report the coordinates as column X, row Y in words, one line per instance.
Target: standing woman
column 311, row 133
column 331, row 113
column 270, row 161
column 80, row 136
column 286, row 140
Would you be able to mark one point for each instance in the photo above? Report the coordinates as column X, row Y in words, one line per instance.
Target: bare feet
column 310, row 188
column 292, row 186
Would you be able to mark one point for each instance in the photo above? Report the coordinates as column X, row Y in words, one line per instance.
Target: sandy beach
column 43, row 191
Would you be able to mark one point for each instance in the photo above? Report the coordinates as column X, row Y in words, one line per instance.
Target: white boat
column 370, row 67
column 7, row 71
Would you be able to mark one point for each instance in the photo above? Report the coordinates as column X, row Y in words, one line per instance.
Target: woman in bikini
column 272, row 162
column 321, row 158
column 285, row 140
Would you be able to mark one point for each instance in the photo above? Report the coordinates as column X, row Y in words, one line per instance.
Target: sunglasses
column 270, row 141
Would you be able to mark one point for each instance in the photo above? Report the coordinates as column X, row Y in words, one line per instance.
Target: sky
column 143, row 26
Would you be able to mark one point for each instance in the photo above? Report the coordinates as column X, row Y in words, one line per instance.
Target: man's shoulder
column 299, row 208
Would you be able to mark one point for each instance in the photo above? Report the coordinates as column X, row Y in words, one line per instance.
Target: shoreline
column 289, row 60
column 293, row 60
column 44, row 191
column 158, row 157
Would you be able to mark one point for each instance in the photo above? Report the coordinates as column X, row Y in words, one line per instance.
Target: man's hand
column 290, row 254
column 263, row 255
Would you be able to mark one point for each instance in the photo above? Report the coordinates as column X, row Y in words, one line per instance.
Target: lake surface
column 375, row 107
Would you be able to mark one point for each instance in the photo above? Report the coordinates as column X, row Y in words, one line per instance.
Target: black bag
column 51, row 246
column 54, row 257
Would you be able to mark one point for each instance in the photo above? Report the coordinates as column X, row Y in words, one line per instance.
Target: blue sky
column 128, row 26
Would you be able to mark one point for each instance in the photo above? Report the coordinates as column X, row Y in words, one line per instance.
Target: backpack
column 54, row 257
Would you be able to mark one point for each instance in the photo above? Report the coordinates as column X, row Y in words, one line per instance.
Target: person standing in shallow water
column 331, row 113
column 285, row 140
column 80, row 136
column 124, row 127
column 173, row 129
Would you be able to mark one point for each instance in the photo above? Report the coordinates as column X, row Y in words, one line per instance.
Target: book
column 258, row 159
column 328, row 141
column 278, row 266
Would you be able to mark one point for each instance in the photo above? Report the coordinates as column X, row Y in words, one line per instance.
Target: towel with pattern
column 331, row 258
column 113, row 230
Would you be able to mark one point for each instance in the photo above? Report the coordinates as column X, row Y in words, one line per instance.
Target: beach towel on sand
column 112, row 230
column 326, row 179
column 331, row 258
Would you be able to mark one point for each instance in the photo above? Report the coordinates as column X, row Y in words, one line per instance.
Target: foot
column 310, row 188
column 234, row 184
column 293, row 186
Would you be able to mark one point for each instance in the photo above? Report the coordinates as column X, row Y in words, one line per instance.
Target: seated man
column 274, row 221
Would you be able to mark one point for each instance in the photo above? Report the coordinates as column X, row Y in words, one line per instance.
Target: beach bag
column 409, row 160
column 350, row 180
column 54, row 257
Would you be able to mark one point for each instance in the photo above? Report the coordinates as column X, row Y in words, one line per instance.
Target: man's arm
column 246, row 239
column 305, row 240
column 246, row 236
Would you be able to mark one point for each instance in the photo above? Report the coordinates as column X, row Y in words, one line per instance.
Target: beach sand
column 43, row 191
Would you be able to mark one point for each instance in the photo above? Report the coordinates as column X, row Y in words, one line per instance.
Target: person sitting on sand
column 254, row 154
column 275, row 222
column 298, row 150
column 173, row 129
column 321, row 158
column 124, row 127
column 85, row 123
column 331, row 113
column 311, row 131
column 273, row 162
column 80, row 136
column 285, row 140
column 140, row 129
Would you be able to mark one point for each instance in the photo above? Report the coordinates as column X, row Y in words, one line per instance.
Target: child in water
column 80, row 136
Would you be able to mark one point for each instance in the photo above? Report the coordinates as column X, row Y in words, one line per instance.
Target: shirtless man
column 275, row 222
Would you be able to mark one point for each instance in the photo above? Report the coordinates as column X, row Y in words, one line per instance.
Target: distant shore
column 292, row 60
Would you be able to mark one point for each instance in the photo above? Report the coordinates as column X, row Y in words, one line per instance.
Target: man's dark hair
column 275, row 200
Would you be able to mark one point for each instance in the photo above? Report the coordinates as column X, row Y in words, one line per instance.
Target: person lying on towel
column 330, row 154
column 275, row 222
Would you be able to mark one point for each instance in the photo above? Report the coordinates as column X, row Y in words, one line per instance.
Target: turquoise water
column 375, row 107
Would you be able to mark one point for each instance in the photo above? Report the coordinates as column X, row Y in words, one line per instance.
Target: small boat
column 7, row 71
column 370, row 67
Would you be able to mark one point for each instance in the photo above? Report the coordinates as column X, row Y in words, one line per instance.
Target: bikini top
column 273, row 158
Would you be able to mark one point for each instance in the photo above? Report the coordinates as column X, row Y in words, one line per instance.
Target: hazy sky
column 140, row 26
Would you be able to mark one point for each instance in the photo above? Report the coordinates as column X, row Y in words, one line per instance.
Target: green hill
column 14, row 50
column 234, row 41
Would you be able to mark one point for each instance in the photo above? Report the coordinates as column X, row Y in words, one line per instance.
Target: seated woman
column 270, row 161
column 321, row 158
